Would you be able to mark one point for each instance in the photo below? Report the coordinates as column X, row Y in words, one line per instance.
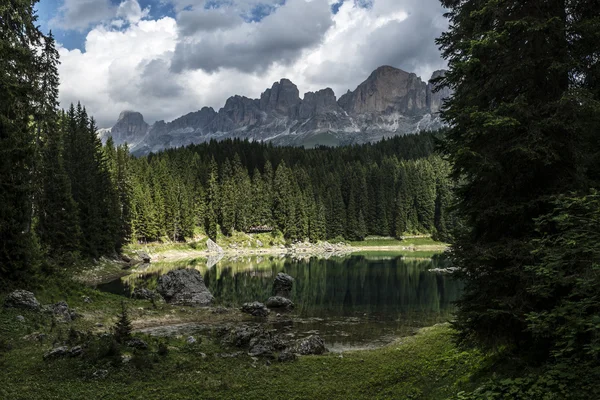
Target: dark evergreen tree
column 524, row 104
column 19, row 72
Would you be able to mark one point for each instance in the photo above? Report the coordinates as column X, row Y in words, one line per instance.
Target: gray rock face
column 213, row 247
column 387, row 90
column 282, row 286
column 256, row 309
column 279, row 302
column 311, row 345
column 390, row 102
column 435, row 97
column 22, row 299
column 184, row 287
column 130, row 128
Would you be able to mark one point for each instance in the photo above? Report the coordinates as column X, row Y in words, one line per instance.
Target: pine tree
column 123, row 328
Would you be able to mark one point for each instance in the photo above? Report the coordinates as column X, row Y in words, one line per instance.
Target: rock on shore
column 184, row 287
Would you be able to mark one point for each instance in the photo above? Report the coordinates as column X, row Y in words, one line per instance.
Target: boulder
column 62, row 311
column 190, row 340
column 75, row 351
column 22, row 299
column 20, row 318
column 241, row 336
column 125, row 258
column 57, row 352
column 184, row 287
column 100, row 374
column 145, row 257
column 286, row 356
column 261, row 347
column 259, row 243
column 213, row 247
column 144, row 294
column 311, row 345
column 256, row 309
column 279, row 302
column 282, row 286
column 137, row 344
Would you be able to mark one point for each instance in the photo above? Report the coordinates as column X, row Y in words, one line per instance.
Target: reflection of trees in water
column 344, row 286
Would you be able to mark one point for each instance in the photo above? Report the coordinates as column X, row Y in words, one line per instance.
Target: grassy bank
column 426, row 366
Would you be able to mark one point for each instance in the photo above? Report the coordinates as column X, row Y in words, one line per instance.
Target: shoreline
column 337, row 250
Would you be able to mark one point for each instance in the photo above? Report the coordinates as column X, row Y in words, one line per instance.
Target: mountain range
column 389, row 102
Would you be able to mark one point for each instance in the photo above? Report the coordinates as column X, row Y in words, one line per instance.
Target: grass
column 426, row 366
column 416, row 242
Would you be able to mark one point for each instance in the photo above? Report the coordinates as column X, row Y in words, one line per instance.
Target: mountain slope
column 390, row 102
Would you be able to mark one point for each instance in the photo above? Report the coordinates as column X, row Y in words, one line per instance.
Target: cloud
column 168, row 67
column 253, row 47
column 131, row 11
column 192, row 21
column 80, row 14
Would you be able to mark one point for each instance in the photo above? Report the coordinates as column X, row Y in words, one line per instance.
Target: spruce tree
column 523, row 94
column 19, row 37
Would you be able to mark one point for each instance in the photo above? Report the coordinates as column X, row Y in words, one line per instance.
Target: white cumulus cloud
column 167, row 67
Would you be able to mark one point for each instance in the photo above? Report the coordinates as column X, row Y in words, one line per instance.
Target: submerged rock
column 22, row 299
column 282, row 286
column 311, row 345
column 256, row 309
column 279, row 302
column 184, row 287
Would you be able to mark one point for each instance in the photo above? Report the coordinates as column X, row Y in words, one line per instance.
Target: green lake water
column 352, row 302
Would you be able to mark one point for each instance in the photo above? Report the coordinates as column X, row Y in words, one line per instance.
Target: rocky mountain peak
column 130, row 127
column 387, row 90
column 283, row 97
column 435, row 96
column 389, row 102
column 317, row 103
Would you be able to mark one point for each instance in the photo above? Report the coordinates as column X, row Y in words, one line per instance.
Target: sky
column 166, row 58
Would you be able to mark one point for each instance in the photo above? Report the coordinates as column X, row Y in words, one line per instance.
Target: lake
column 352, row 302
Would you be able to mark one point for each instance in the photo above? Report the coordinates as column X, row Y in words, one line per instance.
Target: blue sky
column 75, row 38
